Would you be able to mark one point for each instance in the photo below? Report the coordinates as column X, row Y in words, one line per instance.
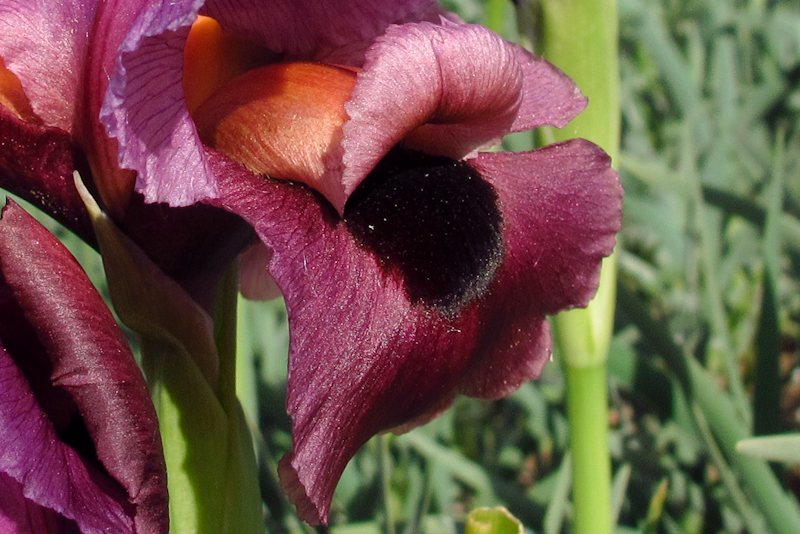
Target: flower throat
column 434, row 219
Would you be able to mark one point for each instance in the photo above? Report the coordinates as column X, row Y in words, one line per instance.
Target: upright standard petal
column 85, row 405
column 306, row 29
column 155, row 135
column 448, row 89
column 144, row 107
column 366, row 355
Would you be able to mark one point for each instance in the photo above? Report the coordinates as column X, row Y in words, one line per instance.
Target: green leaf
column 782, row 448
column 492, row 521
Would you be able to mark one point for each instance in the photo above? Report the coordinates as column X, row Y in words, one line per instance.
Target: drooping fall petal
column 365, row 357
column 561, row 209
column 59, row 337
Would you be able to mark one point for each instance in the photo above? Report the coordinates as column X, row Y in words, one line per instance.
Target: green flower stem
column 225, row 314
column 385, row 459
column 581, row 38
column 587, row 410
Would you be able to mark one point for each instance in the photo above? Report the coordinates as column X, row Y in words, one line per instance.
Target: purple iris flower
column 415, row 266
column 79, row 444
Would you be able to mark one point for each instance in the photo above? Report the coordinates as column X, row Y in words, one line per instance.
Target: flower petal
column 44, row 44
column 447, row 89
column 364, row 358
column 255, row 282
column 561, row 208
column 36, row 163
column 50, row 472
column 145, row 110
column 92, row 363
column 305, row 29
column 386, row 366
column 18, row 515
column 549, row 97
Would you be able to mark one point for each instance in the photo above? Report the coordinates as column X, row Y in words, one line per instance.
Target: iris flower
column 351, row 137
column 80, row 448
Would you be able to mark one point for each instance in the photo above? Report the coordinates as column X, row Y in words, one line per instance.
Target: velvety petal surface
column 43, row 42
column 561, row 209
column 448, row 89
column 93, row 366
column 364, row 359
column 305, row 29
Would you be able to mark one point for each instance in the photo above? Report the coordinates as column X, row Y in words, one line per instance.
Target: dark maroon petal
column 91, row 362
column 561, row 208
column 193, row 245
column 364, row 358
column 36, row 163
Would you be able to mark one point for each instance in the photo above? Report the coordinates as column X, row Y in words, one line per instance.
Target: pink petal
column 49, row 472
column 145, row 110
column 307, row 29
column 549, row 97
column 448, row 89
column 18, row 515
column 44, row 44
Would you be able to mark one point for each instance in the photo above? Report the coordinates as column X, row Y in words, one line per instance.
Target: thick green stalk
column 587, row 410
column 580, row 37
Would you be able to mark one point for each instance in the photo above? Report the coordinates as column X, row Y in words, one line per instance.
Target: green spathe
column 211, row 469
